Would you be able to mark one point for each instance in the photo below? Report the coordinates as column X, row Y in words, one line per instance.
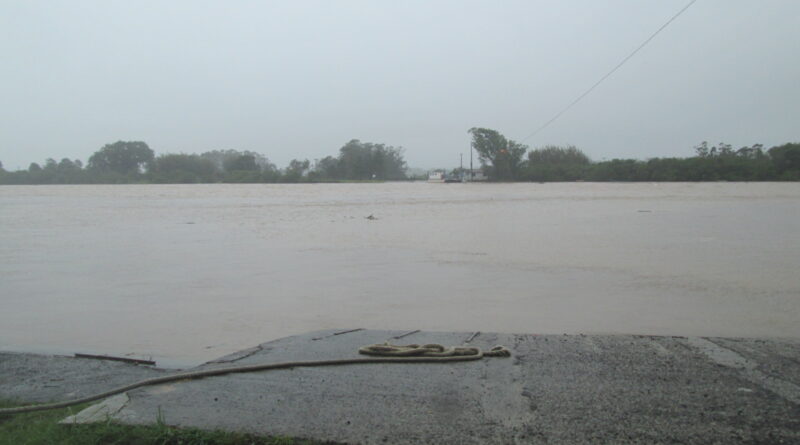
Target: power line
column 546, row 124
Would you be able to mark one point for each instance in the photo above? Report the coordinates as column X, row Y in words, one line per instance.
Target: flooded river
column 187, row 273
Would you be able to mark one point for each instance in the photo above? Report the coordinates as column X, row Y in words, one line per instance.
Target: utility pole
column 461, row 167
column 470, row 163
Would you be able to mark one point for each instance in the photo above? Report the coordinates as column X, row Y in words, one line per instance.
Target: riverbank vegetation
column 717, row 163
column 505, row 160
column 134, row 162
column 501, row 159
column 43, row 428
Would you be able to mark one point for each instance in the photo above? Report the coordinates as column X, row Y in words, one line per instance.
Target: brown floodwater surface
column 187, row 273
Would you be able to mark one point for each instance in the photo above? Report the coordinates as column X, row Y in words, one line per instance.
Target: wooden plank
column 137, row 361
column 349, row 331
column 398, row 337
column 472, row 337
column 338, row 333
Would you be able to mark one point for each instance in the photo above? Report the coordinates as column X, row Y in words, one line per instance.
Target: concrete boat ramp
column 555, row 389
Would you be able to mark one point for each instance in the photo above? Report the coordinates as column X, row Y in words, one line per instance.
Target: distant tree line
column 505, row 160
column 135, row 162
column 501, row 159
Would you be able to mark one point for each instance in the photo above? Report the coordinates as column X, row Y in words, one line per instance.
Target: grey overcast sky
column 298, row 79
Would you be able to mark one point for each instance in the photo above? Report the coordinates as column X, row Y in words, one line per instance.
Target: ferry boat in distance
column 442, row 176
column 437, row 176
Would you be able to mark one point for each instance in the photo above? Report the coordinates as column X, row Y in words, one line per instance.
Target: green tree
column 122, row 157
column 554, row 163
column 327, row 168
column 501, row 157
column 786, row 159
column 242, row 168
column 50, row 165
column 270, row 173
column 388, row 162
column 296, row 170
column 702, row 150
column 67, row 165
column 221, row 157
column 555, row 155
column 754, row 152
column 244, row 162
column 356, row 160
column 365, row 160
column 182, row 168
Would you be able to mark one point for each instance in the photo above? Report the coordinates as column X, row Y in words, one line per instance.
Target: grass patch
column 42, row 428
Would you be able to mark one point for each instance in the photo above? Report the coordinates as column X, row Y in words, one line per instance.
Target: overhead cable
column 619, row 65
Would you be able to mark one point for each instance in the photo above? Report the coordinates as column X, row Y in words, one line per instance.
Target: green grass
column 43, row 428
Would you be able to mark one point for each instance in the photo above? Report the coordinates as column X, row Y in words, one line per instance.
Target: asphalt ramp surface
column 555, row 389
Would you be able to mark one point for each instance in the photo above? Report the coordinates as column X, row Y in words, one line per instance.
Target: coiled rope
column 380, row 353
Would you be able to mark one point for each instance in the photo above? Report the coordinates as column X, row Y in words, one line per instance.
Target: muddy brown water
column 188, row 273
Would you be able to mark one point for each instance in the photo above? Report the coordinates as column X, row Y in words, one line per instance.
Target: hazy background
column 299, row 79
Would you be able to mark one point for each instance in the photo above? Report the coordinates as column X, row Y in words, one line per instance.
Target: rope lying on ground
column 384, row 353
column 433, row 350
